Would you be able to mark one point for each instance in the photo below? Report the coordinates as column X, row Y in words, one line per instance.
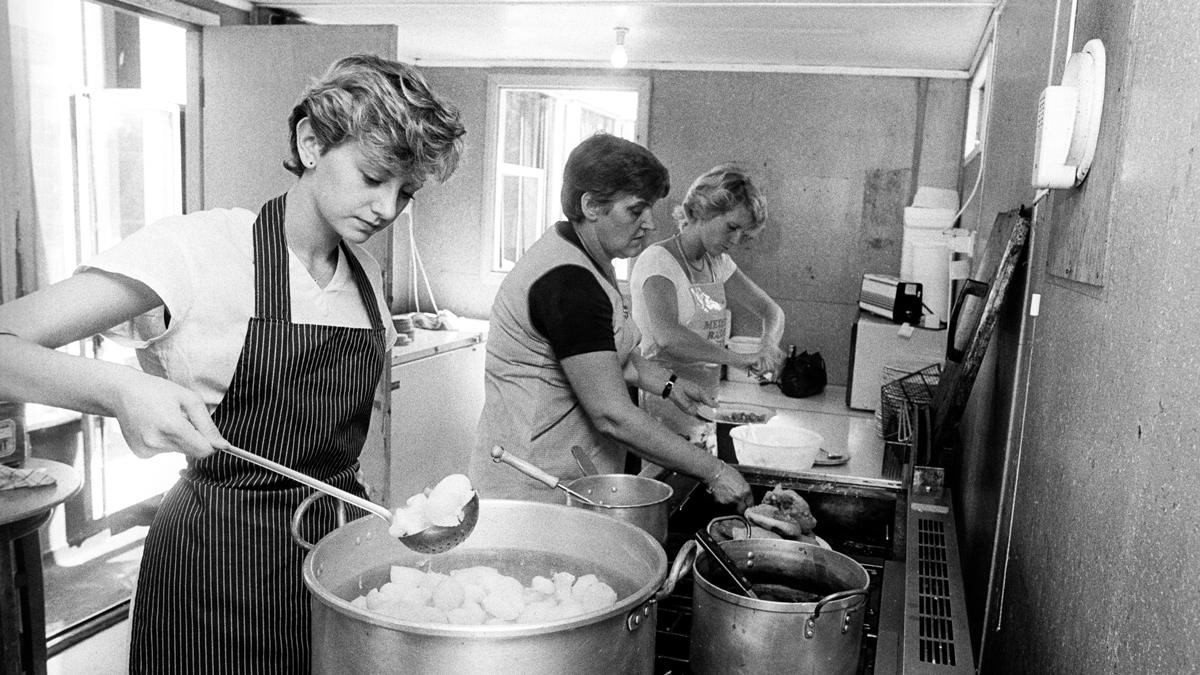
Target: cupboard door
column 436, row 402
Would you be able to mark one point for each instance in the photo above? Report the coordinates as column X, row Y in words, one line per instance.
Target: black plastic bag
column 803, row 375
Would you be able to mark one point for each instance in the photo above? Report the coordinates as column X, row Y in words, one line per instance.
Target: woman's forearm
column 773, row 325
column 594, row 378
column 652, row 441
column 684, row 345
column 35, row 374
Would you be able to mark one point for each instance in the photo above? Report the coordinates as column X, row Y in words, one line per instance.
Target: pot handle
column 298, row 517
column 832, row 597
column 680, row 568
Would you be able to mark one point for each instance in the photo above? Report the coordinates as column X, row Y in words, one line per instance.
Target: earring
column 309, row 163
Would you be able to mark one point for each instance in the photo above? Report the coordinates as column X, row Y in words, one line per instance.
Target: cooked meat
column 742, row 417
column 785, row 512
column 728, row 529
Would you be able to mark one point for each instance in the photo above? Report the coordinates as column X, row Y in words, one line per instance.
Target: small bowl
column 774, row 445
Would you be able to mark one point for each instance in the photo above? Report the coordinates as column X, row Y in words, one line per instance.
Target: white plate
column 826, row 459
column 737, row 413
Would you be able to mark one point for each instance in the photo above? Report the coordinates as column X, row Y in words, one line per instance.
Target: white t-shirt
column 657, row 261
column 202, row 266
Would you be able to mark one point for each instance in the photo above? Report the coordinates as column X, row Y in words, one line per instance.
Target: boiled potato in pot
column 482, row 595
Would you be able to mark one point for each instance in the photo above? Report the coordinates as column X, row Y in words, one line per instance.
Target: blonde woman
column 682, row 288
column 262, row 330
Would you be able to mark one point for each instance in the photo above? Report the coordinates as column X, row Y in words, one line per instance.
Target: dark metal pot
column 637, row 500
column 733, row 633
column 522, row 539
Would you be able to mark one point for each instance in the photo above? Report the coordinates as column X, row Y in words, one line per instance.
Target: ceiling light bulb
column 619, row 58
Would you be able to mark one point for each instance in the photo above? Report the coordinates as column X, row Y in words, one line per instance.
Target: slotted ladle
column 499, row 455
column 433, row 539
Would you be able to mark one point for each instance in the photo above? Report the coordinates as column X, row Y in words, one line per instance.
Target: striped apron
column 220, row 588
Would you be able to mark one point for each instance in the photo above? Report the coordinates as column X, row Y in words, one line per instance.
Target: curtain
column 22, row 251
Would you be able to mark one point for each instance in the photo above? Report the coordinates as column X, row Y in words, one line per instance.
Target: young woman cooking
column 266, row 331
column 561, row 347
column 681, row 289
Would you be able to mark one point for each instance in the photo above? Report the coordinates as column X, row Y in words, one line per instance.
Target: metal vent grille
column 936, row 627
column 936, row 637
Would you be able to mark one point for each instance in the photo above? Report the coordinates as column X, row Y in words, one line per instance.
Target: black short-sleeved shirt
column 570, row 309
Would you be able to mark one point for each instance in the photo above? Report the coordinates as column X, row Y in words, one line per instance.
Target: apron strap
column 365, row 291
column 272, row 292
column 272, row 289
column 688, row 270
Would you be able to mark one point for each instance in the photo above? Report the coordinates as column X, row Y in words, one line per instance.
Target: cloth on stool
column 11, row 478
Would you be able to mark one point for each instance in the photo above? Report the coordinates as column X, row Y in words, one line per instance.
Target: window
column 977, row 104
column 105, row 101
column 533, row 124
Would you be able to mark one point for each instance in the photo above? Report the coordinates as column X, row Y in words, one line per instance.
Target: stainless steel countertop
column 844, row 430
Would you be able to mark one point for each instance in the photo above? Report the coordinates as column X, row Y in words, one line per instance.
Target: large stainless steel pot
column 522, row 539
column 732, row 633
column 636, row 500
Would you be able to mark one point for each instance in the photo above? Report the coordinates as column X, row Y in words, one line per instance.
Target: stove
column 693, row 512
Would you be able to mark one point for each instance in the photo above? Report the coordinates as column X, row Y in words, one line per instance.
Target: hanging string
column 418, row 266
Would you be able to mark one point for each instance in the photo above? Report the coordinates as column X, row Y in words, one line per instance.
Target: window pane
column 510, row 230
column 537, row 129
column 130, row 185
column 522, row 219
column 51, row 56
column 524, row 128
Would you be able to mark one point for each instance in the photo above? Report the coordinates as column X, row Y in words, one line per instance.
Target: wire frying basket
column 901, row 399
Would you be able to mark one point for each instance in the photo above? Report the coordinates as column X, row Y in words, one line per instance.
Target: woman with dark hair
column 264, row 331
column 561, row 348
column 682, row 288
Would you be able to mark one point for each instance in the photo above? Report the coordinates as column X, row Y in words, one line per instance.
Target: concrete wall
column 1103, row 476
column 834, row 154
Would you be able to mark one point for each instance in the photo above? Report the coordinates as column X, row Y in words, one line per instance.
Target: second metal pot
column 636, row 500
column 732, row 633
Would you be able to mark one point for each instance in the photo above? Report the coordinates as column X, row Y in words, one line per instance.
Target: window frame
column 496, row 83
column 978, row 104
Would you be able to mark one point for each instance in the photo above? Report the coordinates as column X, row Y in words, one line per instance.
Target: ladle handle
column 311, row 482
column 499, row 455
column 723, row 561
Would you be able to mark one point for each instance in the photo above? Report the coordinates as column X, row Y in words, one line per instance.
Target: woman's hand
column 768, row 360
column 762, row 363
column 728, row 487
column 687, row 395
column 157, row 416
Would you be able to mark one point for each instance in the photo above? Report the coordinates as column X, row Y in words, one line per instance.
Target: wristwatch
column 669, row 386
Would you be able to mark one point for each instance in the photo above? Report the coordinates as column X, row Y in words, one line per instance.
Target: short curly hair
column 387, row 107
column 608, row 166
column 720, row 190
